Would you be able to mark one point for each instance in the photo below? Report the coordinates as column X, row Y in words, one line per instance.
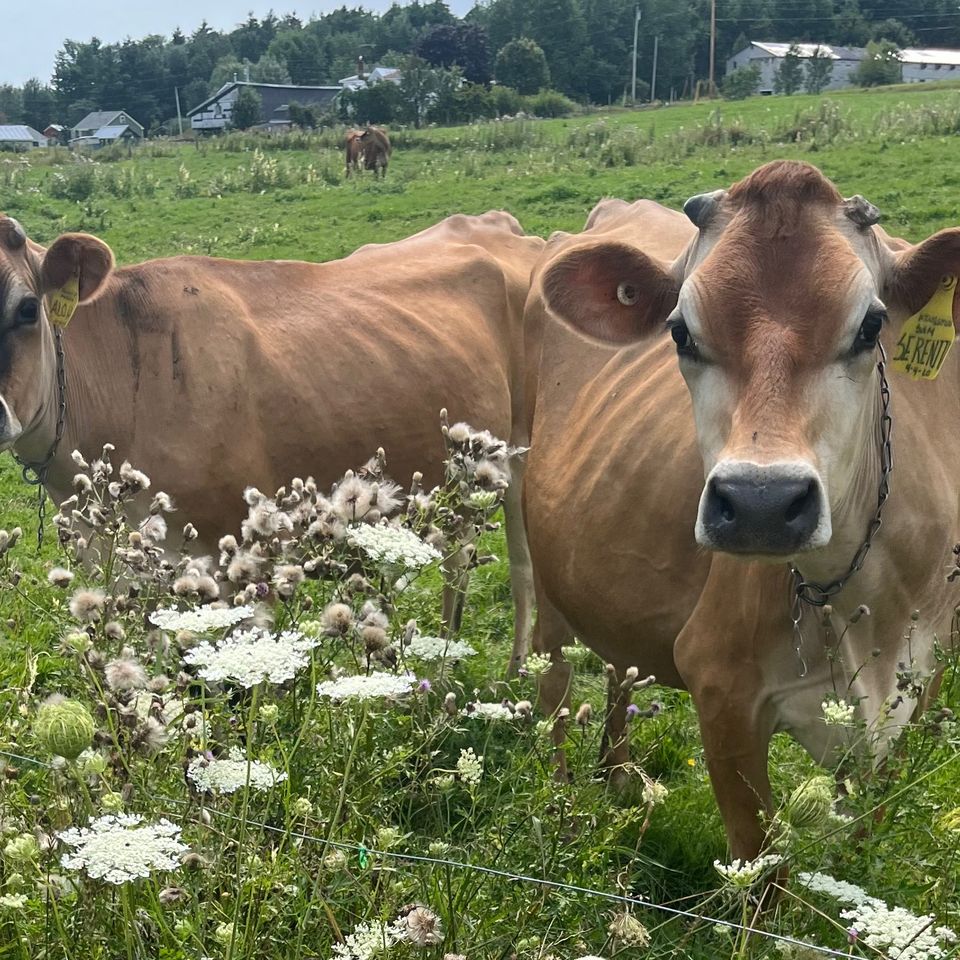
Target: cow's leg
column 521, row 568
column 550, row 633
column 735, row 730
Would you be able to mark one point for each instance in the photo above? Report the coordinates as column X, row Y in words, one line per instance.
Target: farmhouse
column 377, row 75
column 917, row 65
column 20, row 137
column 215, row 112
column 104, row 127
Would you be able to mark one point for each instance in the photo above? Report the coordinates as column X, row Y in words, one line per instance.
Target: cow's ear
column 610, row 291
column 76, row 254
column 918, row 272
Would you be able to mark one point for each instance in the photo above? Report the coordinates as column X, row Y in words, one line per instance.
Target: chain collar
column 35, row 474
column 819, row 594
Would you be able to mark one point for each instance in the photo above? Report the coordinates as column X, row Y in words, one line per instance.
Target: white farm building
column 917, row 65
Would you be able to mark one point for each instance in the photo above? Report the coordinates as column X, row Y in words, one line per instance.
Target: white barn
column 918, row 65
column 768, row 56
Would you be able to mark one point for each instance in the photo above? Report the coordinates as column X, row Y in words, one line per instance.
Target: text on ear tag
column 927, row 336
column 64, row 302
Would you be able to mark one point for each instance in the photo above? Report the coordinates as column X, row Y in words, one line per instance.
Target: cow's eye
column 681, row 337
column 28, row 311
column 869, row 331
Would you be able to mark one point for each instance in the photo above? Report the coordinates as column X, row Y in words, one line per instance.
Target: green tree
column 789, row 75
column 742, row 83
column 270, row 69
column 895, row 31
column 247, row 109
column 819, row 70
column 39, row 104
column 880, row 66
column 11, row 103
column 521, row 64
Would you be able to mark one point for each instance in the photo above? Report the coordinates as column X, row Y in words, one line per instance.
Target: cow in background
column 353, row 152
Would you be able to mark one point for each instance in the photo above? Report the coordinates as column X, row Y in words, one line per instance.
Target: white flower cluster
column 436, row 648
column 201, row 619
column 367, row 940
column 397, row 546
column 250, row 656
column 374, row 686
column 654, row 792
column 470, row 766
column 232, row 774
column 118, row 848
column 891, row 931
column 488, row 711
column 743, row 873
column 838, row 713
column 537, row 664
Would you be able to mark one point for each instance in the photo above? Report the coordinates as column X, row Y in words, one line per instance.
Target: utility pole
column 713, row 43
column 653, row 79
column 176, row 91
column 636, row 34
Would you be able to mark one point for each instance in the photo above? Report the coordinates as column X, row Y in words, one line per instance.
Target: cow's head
column 29, row 275
column 775, row 307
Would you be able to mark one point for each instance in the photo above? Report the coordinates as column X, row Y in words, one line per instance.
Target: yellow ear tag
column 64, row 302
column 927, row 336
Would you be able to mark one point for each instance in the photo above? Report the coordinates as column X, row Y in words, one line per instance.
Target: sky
column 34, row 30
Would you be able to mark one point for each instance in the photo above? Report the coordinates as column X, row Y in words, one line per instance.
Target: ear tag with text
column 64, row 302
column 927, row 336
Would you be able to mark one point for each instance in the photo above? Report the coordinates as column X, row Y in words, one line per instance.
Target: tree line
column 580, row 48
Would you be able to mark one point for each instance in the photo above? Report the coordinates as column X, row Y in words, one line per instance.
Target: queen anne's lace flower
column 470, row 766
column 891, row 931
column 200, row 620
column 118, row 848
column 232, row 774
column 374, row 686
column 488, row 711
column 398, row 546
column 436, row 648
column 838, row 714
column 367, row 940
column 742, row 873
column 250, row 656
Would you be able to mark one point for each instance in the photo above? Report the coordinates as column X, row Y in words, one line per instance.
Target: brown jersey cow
column 214, row 374
column 709, row 448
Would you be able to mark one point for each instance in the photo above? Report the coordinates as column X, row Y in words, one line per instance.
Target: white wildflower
column 13, row 901
column 487, row 711
column 743, row 873
column 537, row 664
column 367, row 940
column 436, row 648
column 59, row 577
column 250, row 656
column 654, row 792
column 119, row 848
column 125, row 673
column 891, row 931
column 377, row 685
column 470, row 766
column 385, row 543
column 233, row 773
column 200, row 620
column 837, row 713
column 626, row 928
column 421, row 927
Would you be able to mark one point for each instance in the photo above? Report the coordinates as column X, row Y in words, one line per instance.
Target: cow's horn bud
column 701, row 208
column 861, row 211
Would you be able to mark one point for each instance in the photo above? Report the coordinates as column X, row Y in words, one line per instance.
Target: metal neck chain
column 819, row 594
column 35, row 474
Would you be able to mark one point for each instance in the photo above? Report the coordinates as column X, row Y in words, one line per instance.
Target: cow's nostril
column 802, row 504
column 726, row 509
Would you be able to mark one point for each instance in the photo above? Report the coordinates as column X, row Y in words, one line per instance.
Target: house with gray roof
column 88, row 130
column 18, row 136
column 213, row 115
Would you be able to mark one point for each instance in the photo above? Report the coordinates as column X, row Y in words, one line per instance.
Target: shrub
column 741, row 83
column 550, row 103
column 522, row 64
column 880, row 66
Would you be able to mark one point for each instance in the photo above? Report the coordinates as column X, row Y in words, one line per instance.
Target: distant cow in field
column 353, row 151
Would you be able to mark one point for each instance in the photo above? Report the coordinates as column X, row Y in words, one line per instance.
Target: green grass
column 289, row 201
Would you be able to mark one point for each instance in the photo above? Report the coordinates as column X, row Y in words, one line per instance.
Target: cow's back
column 227, row 373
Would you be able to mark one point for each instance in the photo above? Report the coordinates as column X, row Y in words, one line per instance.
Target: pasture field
column 363, row 807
